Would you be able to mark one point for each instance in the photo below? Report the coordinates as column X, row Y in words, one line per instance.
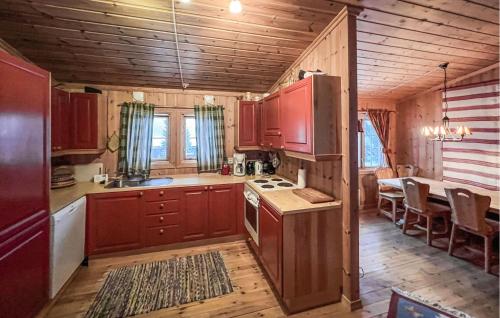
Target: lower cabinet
column 195, row 213
column 114, row 222
column 127, row 220
column 24, row 271
column 302, row 255
column 270, row 243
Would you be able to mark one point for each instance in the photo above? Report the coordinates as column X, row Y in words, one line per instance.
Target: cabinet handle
column 282, row 147
column 141, row 194
column 279, row 134
column 270, row 144
column 59, row 148
column 162, row 206
column 211, row 187
column 161, row 231
column 262, row 144
column 206, row 188
column 161, row 193
column 161, row 219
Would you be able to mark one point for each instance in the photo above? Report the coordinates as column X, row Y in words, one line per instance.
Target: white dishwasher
column 67, row 243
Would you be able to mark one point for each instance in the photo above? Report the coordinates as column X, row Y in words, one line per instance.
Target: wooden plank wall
column 425, row 109
column 172, row 98
column 334, row 51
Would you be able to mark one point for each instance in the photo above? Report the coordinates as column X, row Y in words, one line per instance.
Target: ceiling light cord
column 184, row 85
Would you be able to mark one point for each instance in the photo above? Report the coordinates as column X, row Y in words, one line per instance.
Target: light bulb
column 235, row 6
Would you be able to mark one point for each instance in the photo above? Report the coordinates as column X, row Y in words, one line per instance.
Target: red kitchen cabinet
column 270, row 244
column 296, row 109
column 310, row 117
column 195, row 213
column 24, row 186
column 85, row 112
column 271, row 122
column 60, row 115
column 222, row 210
column 114, row 222
column 247, row 126
column 163, row 216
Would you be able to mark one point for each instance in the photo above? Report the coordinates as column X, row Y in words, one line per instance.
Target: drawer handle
column 141, row 194
column 161, row 219
column 161, row 231
column 162, row 205
column 282, row 147
column 206, row 188
column 211, row 187
column 161, row 193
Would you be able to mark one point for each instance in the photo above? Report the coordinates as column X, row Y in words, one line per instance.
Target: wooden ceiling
column 131, row 42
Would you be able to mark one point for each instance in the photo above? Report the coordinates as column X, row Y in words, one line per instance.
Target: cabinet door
column 24, row 120
column 222, row 211
column 24, row 271
column 114, row 222
column 247, row 124
column 271, row 121
column 195, row 213
column 296, row 110
column 85, row 120
column 270, row 243
column 60, row 120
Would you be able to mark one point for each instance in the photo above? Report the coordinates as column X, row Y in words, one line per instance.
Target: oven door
column 252, row 217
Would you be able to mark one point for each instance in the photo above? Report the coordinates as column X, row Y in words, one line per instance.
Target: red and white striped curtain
column 476, row 160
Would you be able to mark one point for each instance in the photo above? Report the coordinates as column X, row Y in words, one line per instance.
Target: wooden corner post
column 349, row 187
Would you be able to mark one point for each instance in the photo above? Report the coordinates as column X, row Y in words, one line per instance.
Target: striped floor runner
column 139, row 289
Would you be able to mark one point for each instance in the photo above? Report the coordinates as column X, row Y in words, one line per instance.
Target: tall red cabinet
column 24, row 186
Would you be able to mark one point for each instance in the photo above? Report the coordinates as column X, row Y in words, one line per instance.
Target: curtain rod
column 172, row 107
column 367, row 109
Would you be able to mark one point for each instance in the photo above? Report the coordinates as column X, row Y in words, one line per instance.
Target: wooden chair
column 469, row 214
column 390, row 194
column 406, row 170
column 416, row 194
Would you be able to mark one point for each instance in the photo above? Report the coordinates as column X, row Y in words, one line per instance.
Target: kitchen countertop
column 286, row 202
column 59, row 198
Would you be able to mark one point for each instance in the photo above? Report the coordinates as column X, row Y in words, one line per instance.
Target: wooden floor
column 387, row 257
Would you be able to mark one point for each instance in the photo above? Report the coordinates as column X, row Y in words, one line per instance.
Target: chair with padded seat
column 415, row 201
column 393, row 196
column 469, row 214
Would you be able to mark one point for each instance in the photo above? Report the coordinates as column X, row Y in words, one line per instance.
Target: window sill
column 187, row 164
column 155, row 165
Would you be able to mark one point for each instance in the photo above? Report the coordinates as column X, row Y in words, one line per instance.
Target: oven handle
column 251, row 200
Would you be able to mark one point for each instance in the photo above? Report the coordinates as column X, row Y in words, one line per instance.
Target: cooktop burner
column 261, row 181
column 267, row 186
column 276, row 179
column 285, row 184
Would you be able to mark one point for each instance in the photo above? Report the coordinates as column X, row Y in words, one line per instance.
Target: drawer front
column 162, row 220
column 163, row 235
column 162, row 207
column 161, row 195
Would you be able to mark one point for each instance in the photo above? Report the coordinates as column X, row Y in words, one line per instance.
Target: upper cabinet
column 60, row 120
column 78, row 123
column 247, row 125
column 271, row 121
column 310, row 117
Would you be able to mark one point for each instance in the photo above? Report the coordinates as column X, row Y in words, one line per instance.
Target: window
column 370, row 154
column 161, row 138
column 189, row 151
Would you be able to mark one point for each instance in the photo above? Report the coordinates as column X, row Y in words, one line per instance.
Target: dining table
column 437, row 190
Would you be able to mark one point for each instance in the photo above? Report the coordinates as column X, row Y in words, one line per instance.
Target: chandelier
column 444, row 132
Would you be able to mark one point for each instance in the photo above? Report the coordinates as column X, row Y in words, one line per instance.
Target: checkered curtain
column 136, row 132
column 209, row 137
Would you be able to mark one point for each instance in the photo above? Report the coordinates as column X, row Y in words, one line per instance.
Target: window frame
column 166, row 164
column 363, row 116
column 181, row 161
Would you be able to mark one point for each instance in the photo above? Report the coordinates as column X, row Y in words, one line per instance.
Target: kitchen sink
column 139, row 183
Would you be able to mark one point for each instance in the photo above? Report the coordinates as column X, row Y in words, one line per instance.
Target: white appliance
column 67, row 243
column 258, row 168
column 273, row 184
column 252, row 213
column 239, row 164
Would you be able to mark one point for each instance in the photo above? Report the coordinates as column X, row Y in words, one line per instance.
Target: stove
column 272, row 184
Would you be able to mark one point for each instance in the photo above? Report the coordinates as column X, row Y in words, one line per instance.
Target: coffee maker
column 239, row 164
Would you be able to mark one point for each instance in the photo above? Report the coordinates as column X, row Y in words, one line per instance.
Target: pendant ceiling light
column 235, row 6
column 445, row 132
